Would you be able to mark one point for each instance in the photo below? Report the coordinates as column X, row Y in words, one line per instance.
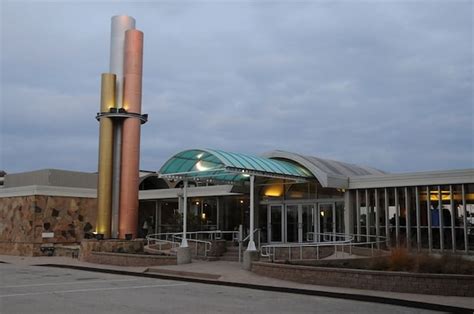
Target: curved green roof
column 229, row 166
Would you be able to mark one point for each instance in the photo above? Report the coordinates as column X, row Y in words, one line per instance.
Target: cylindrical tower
column 104, row 185
column 120, row 24
column 129, row 172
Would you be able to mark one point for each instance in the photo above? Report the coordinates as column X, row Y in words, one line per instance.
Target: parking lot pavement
column 34, row 289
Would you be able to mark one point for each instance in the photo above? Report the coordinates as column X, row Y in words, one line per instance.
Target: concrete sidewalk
column 222, row 272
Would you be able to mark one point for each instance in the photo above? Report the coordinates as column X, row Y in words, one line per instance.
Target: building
column 296, row 199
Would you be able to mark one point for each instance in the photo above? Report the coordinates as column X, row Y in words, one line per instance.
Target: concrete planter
column 124, row 259
column 436, row 284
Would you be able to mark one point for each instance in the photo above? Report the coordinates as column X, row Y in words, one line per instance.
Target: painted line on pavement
column 322, row 293
column 66, row 283
column 91, row 289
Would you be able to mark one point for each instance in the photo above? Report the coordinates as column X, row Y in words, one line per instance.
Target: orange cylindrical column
column 132, row 99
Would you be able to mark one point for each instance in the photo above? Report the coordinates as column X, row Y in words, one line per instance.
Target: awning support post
column 184, row 241
column 251, row 246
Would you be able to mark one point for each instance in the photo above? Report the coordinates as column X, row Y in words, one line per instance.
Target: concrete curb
column 338, row 295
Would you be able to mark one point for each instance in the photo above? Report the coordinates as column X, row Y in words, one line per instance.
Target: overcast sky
column 378, row 83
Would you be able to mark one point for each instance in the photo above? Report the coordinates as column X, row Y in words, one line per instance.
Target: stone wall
column 437, row 284
column 24, row 219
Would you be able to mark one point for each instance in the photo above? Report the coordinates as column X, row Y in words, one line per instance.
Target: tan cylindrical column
column 132, row 98
column 104, row 185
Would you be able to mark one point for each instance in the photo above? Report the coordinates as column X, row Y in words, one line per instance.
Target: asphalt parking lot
column 36, row 289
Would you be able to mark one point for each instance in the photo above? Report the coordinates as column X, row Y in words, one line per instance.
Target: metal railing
column 205, row 237
column 343, row 242
column 328, row 237
column 242, row 240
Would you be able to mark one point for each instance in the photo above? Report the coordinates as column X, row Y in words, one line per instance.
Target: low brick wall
column 123, row 259
column 307, row 253
column 437, row 284
column 67, row 250
column 111, row 246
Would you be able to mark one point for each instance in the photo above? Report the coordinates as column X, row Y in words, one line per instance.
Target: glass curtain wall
column 412, row 218
column 469, row 199
column 392, row 214
column 428, row 218
column 382, row 218
column 459, row 221
column 424, row 207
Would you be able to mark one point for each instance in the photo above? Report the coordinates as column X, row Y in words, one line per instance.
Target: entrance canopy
column 227, row 166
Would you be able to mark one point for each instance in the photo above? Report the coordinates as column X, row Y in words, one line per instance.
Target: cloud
column 384, row 84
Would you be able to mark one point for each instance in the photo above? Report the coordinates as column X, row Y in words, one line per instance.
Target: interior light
column 199, row 155
column 241, row 201
column 200, row 166
column 246, row 175
column 274, row 190
column 203, row 215
column 197, row 203
column 322, row 214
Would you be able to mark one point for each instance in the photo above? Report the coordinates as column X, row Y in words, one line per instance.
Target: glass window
column 381, row 211
column 371, row 212
column 424, row 210
column 458, row 211
column 447, row 217
column 308, row 222
column 469, row 195
column 353, row 209
column 392, row 213
column 340, row 217
column 363, row 214
column 435, row 216
column 411, row 216
column 402, row 218
column 300, row 191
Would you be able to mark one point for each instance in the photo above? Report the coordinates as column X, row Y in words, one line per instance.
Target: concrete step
column 229, row 258
column 231, row 254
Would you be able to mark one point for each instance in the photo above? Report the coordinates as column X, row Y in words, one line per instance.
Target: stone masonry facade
column 25, row 219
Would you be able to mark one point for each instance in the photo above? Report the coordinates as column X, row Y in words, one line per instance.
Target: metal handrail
column 207, row 244
column 310, row 236
column 268, row 250
column 175, row 238
column 242, row 241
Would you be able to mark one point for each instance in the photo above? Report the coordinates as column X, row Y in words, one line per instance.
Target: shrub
column 428, row 264
column 453, row 264
column 400, row 260
column 379, row 263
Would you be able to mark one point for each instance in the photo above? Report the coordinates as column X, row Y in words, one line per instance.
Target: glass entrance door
column 307, row 230
column 326, row 222
column 275, row 223
column 292, row 225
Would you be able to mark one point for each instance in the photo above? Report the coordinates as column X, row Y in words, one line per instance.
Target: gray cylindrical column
column 120, row 24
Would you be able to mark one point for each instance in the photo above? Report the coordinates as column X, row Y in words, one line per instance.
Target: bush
column 400, row 260
column 378, row 263
column 428, row 264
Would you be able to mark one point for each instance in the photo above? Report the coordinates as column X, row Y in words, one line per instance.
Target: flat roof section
column 413, row 179
column 52, row 177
